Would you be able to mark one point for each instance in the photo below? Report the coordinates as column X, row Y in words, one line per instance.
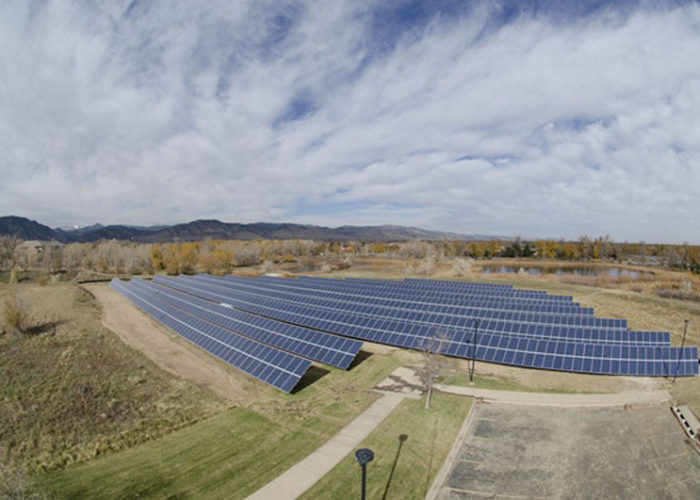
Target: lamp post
column 471, row 371
column 364, row 456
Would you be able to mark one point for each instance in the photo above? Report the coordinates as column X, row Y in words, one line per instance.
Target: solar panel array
column 312, row 317
column 271, row 351
column 516, row 327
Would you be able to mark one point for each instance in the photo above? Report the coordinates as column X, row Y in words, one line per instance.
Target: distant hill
column 216, row 230
column 26, row 229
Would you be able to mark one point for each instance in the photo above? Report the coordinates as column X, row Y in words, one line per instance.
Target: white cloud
column 166, row 113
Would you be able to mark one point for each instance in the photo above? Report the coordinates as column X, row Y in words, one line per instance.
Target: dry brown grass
column 73, row 391
column 15, row 485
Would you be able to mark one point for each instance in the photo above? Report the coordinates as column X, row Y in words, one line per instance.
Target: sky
column 543, row 119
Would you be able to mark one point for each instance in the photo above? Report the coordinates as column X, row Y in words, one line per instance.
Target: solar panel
column 448, row 314
column 410, row 282
column 318, row 346
column 509, row 349
column 440, row 296
column 492, row 302
column 277, row 368
column 401, row 299
column 455, row 323
column 412, row 285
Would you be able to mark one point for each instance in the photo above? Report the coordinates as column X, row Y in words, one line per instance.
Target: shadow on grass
column 359, row 359
column 313, row 374
column 49, row 328
column 402, row 440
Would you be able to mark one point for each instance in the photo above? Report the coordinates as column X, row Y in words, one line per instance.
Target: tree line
column 220, row 256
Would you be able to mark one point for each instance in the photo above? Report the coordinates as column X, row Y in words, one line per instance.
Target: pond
column 614, row 272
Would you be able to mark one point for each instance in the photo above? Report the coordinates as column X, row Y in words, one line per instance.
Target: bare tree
column 435, row 362
column 8, row 255
column 413, row 248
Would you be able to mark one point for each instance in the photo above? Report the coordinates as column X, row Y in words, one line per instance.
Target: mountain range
column 198, row 230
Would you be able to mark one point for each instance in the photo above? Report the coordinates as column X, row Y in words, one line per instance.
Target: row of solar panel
column 318, row 346
column 537, row 353
column 405, row 289
column 277, row 368
column 417, row 287
column 494, row 301
column 543, row 330
column 372, row 316
column 330, row 284
column 417, row 284
column 409, row 334
column 456, row 316
column 424, row 282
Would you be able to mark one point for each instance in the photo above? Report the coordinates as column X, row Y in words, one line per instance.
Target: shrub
column 461, row 267
column 42, row 278
column 14, row 314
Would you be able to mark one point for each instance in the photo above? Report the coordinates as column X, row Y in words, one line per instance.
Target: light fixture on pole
column 364, row 456
column 474, row 338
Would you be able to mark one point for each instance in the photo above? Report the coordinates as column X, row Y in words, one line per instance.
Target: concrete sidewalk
column 406, row 381
column 403, row 383
column 306, row 473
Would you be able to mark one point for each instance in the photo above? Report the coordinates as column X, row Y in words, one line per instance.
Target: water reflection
column 614, row 272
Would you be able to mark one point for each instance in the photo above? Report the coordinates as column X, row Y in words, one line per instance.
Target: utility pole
column 474, row 341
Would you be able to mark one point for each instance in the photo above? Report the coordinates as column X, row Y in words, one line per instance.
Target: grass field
column 74, row 398
column 460, row 378
column 71, row 391
column 234, row 453
column 401, row 469
column 227, row 456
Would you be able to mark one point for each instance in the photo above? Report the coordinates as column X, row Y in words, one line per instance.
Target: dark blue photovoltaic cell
column 277, row 368
column 318, row 346
column 415, row 286
column 433, row 320
column 517, row 349
column 425, row 295
column 447, row 315
column 358, row 293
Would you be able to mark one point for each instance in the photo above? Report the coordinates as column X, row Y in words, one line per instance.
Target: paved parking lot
column 514, row 451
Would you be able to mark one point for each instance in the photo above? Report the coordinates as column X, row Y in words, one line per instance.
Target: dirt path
column 167, row 349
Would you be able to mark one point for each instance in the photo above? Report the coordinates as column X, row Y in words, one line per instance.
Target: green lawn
column 430, row 435
column 227, row 456
column 234, row 453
